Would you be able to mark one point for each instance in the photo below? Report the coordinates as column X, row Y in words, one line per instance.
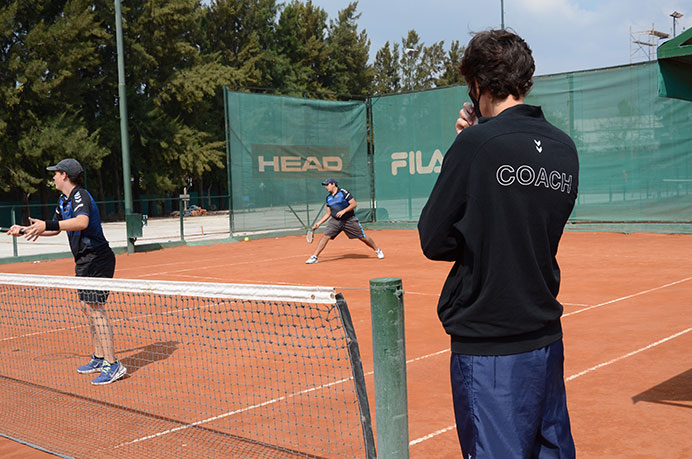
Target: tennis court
column 627, row 331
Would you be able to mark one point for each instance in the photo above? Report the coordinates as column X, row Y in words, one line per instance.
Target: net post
column 358, row 377
column 389, row 357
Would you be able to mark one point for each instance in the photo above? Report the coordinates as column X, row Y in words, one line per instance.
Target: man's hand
column 16, row 230
column 340, row 213
column 316, row 225
column 33, row 231
column 467, row 117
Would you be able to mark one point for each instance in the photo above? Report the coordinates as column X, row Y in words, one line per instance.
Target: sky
column 565, row 35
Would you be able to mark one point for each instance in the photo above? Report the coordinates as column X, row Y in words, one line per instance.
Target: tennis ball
column 246, row 239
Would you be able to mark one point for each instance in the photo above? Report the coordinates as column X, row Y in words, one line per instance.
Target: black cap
column 70, row 166
column 328, row 181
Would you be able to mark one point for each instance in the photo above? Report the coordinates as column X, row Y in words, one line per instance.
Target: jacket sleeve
column 439, row 239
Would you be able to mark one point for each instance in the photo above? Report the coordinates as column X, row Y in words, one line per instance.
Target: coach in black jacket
column 507, row 186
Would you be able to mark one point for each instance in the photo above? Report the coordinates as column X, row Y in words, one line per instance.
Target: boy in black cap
column 340, row 206
column 78, row 214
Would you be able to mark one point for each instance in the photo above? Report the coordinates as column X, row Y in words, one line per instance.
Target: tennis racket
column 310, row 235
column 4, row 229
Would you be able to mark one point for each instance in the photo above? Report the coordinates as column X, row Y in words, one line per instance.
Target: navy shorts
column 95, row 264
column 512, row 406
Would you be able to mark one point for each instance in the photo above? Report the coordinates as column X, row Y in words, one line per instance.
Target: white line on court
column 141, row 316
column 628, row 296
column 434, row 434
column 570, row 378
column 197, row 268
column 268, row 402
column 601, row 365
column 231, row 413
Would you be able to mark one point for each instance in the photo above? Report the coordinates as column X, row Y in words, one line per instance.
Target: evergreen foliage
column 59, row 83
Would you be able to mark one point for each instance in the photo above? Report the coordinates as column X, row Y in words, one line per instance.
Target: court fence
column 635, row 149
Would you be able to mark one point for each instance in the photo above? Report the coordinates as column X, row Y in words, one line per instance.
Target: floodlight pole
column 675, row 15
column 502, row 14
column 122, row 104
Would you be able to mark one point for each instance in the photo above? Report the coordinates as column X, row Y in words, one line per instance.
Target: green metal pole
column 122, row 103
column 182, row 226
column 389, row 357
column 502, row 14
column 14, row 239
column 228, row 163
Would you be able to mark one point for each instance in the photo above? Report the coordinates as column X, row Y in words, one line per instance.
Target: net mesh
column 213, row 370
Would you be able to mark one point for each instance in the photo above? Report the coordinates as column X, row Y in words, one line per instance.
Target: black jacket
column 498, row 209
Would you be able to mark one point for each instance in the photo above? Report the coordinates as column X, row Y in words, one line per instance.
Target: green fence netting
column 635, row 148
column 412, row 132
column 281, row 148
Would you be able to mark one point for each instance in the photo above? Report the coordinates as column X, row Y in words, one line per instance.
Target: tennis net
column 213, row 370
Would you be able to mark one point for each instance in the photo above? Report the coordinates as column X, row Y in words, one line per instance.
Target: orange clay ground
column 627, row 325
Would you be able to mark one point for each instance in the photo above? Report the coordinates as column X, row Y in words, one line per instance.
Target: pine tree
column 451, row 74
column 412, row 50
column 49, row 60
column 349, row 72
column 387, row 77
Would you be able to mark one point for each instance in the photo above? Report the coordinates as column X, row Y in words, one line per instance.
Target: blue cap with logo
column 328, row 181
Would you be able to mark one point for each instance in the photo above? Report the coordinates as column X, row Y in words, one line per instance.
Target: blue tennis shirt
column 338, row 202
column 80, row 202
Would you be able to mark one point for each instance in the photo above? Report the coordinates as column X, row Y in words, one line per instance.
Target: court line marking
column 231, row 413
column 262, row 404
column 446, row 429
column 630, row 354
column 431, row 435
column 569, row 378
column 141, row 316
column 628, row 296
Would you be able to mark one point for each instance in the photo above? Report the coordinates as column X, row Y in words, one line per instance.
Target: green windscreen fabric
column 412, row 132
column 635, row 148
column 282, row 148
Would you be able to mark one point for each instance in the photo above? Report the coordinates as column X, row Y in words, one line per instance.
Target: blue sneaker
column 94, row 366
column 110, row 372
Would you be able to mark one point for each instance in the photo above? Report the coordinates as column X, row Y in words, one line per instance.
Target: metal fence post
column 14, row 239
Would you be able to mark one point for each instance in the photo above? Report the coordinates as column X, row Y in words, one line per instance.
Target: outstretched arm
column 53, row 227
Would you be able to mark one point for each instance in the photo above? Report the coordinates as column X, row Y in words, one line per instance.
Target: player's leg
column 102, row 265
column 103, row 331
column 96, row 362
column 354, row 230
column 112, row 369
column 334, row 227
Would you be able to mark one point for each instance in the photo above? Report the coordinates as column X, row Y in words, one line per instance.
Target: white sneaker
column 379, row 253
column 312, row 259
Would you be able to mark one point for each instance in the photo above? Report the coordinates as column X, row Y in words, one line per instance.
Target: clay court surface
column 627, row 326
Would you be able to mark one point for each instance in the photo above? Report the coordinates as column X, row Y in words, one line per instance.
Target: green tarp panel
column 281, row 148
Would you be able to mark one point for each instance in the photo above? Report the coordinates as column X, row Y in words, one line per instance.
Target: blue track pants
column 512, row 406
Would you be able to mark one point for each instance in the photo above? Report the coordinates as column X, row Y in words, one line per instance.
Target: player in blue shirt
column 340, row 206
column 78, row 214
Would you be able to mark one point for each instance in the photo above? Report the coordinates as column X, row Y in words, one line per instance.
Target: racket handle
column 4, row 229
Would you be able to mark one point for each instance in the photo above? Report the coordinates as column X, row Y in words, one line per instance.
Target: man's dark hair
column 77, row 179
column 500, row 62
